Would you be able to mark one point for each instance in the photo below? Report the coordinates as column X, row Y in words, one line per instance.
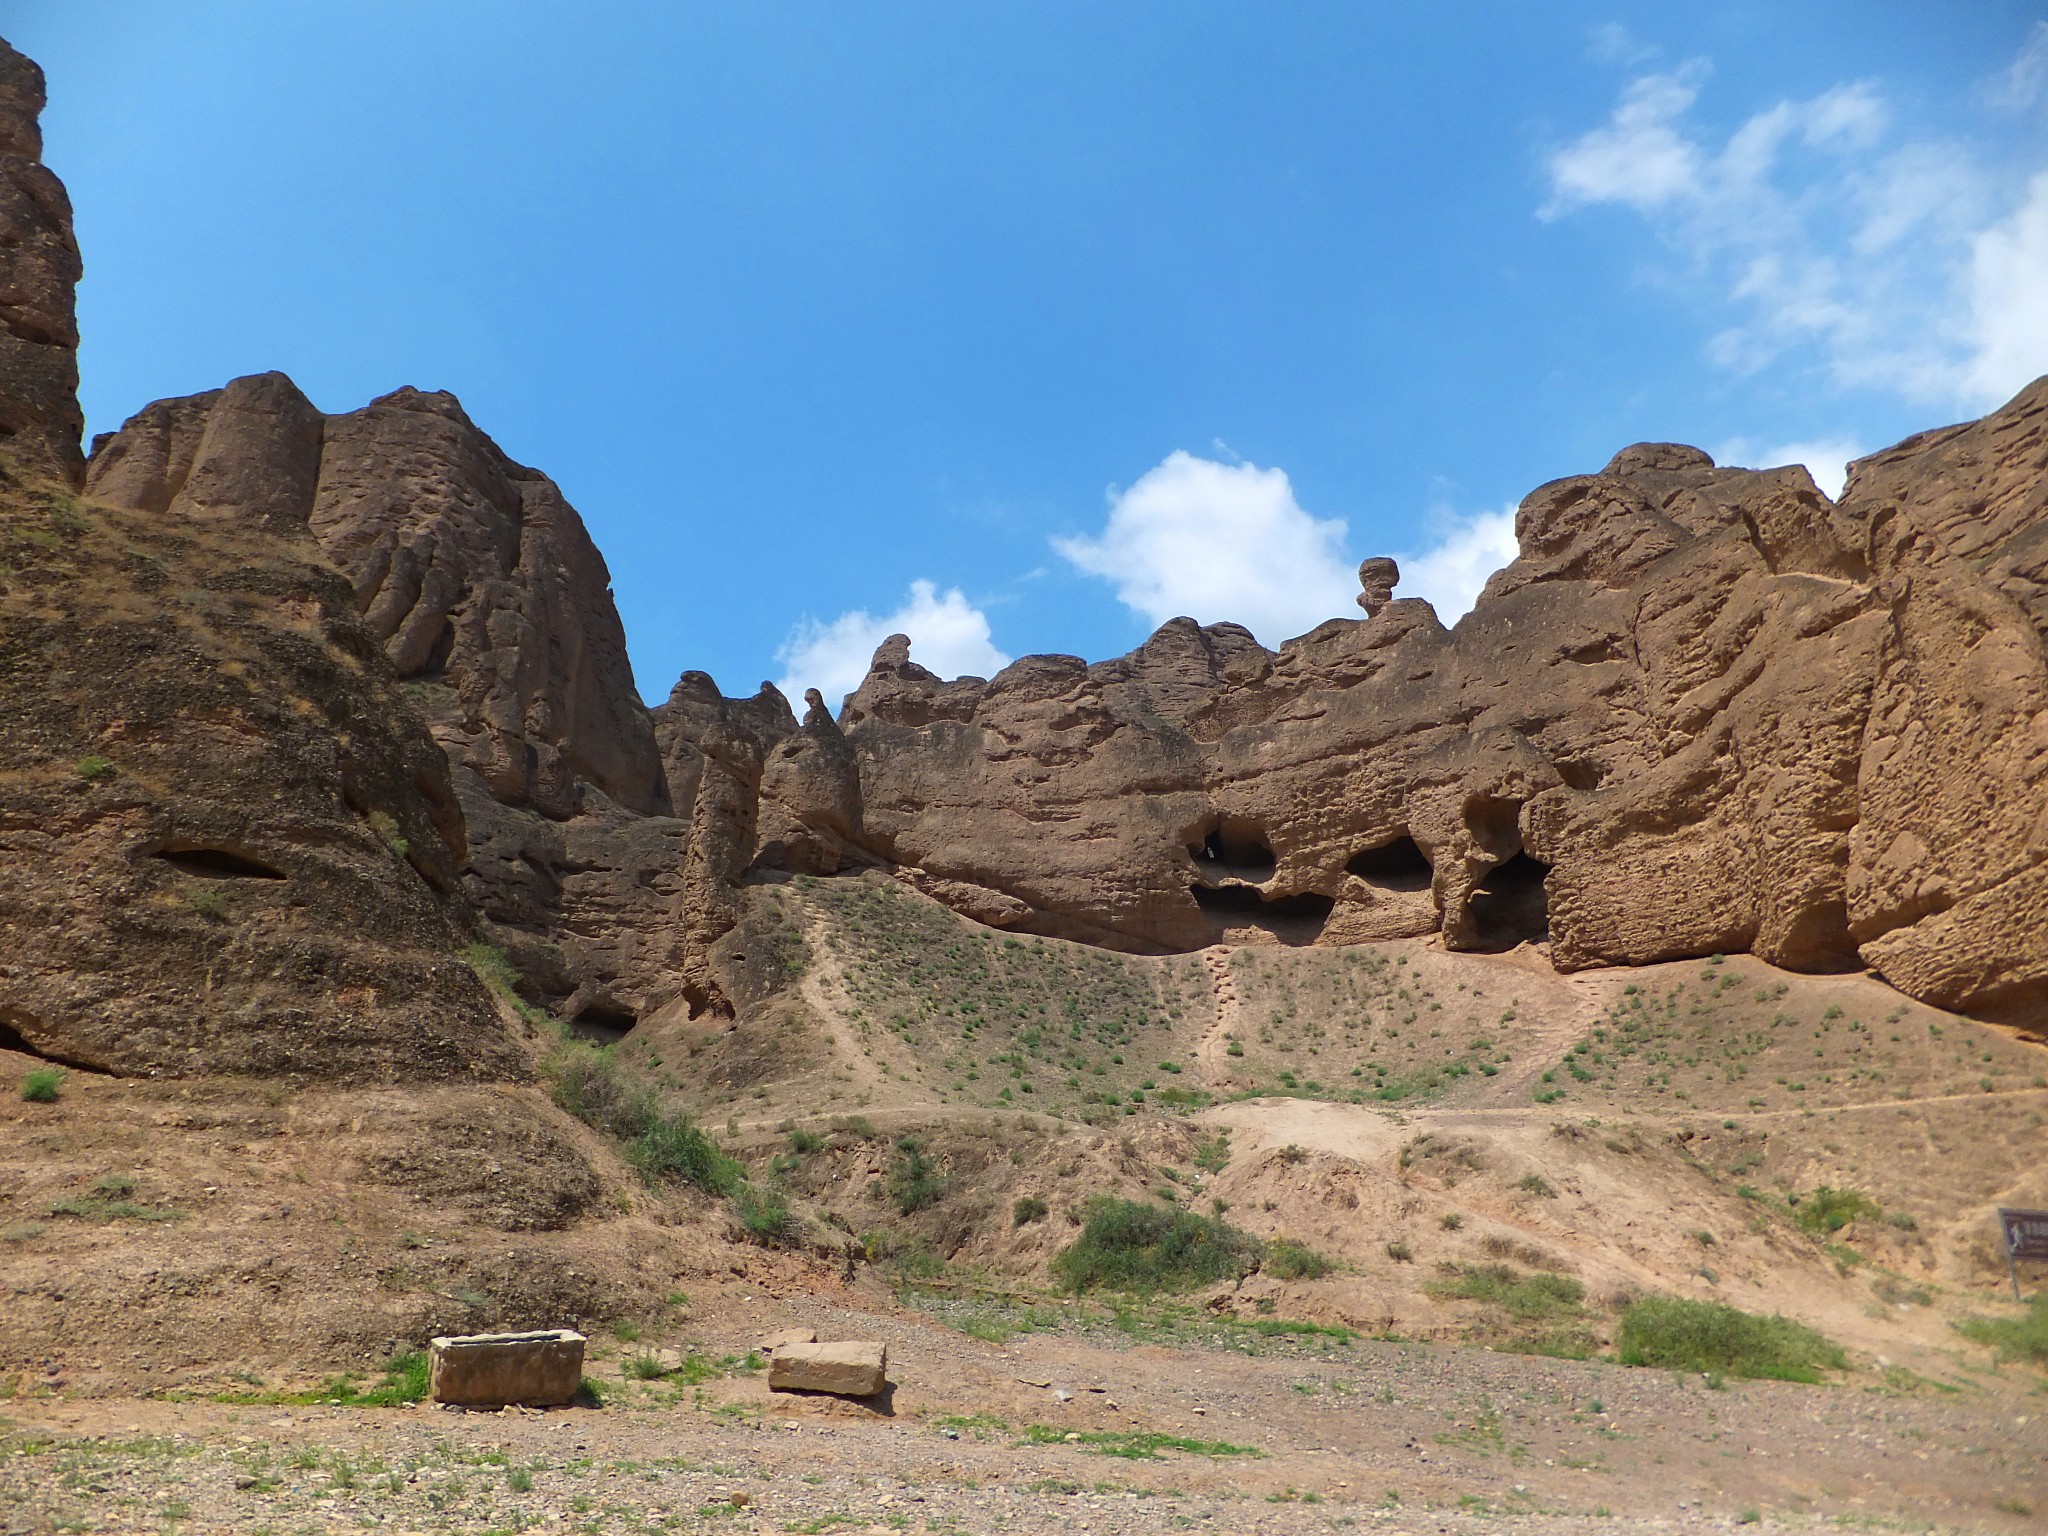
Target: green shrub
column 43, row 1085
column 590, row 1086
column 765, row 1214
column 1129, row 1245
column 492, row 968
column 1285, row 1259
column 1535, row 1298
column 1029, row 1208
column 670, row 1147
column 1683, row 1335
column 210, row 902
column 659, row 1143
column 804, row 1143
column 385, row 825
column 646, row 1367
column 1827, row 1210
column 2015, row 1338
column 92, row 768
column 914, row 1180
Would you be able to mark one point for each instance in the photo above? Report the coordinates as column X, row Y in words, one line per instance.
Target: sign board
column 2026, row 1233
column 2025, row 1236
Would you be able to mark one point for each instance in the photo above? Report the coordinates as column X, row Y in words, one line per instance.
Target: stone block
column 768, row 1344
column 850, row 1368
column 489, row 1370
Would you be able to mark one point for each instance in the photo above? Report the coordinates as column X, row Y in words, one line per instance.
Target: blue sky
column 1026, row 326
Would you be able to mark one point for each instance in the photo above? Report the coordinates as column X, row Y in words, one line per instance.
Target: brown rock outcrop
column 229, row 843
column 1706, row 710
column 475, row 575
column 40, row 422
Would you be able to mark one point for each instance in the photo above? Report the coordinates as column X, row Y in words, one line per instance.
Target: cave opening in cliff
column 1400, row 865
column 1510, row 906
column 1234, row 847
column 215, row 862
column 602, row 1023
column 1294, row 920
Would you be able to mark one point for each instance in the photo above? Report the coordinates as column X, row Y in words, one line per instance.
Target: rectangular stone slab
column 490, row 1370
column 851, row 1368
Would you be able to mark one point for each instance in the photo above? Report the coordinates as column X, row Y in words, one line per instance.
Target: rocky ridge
column 1705, row 711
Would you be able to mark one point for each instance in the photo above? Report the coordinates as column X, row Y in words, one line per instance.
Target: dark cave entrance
column 1510, row 906
column 1293, row 920
column 602, row 1023
column 1397, row 866
column 1234, row 848
column 213, row 863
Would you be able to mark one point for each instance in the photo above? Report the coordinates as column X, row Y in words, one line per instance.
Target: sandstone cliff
column 1706, row 710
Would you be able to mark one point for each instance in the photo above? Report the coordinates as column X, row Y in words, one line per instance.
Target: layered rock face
column 229, row 843
column 1705, row 710
column 40, row 421
column 473, row 572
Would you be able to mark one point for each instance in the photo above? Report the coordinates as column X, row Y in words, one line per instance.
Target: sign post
column 2025, row 1236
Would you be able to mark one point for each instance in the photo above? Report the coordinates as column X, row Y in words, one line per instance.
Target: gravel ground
column 975, row 1438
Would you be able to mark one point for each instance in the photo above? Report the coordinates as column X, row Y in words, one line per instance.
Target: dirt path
column 1552, row 1032
column 1212, row 1055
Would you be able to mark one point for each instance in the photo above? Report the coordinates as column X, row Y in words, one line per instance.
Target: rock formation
column 1705, row 710
column 227, row 841
column 40, row 422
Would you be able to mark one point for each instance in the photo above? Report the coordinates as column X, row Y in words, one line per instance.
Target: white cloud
column 1918, row 266
column 1452, row 571
column 2026, row 82
column 1826, row 459
column 947, row 633
column 2008, row 287
column 1220, row 542
column 1639, row 158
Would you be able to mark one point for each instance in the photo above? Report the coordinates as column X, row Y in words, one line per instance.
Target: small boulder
column 849, row 1368
column 491, row 1370
column 768, row 1344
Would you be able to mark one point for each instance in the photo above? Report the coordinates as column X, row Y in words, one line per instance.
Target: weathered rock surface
column 40, row 421
column 228, row 842
column 475, row 575
column 1705, row 710
column 849, row 1368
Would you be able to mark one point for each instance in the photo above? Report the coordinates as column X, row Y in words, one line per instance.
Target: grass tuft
column 2015, row 1338
column 43, row 1085
column 1285, row 1259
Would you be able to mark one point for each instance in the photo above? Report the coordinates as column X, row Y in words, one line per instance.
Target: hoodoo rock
column 40, row 420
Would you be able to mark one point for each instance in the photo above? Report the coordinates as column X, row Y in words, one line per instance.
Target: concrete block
column 490, row 1370
column 850, row 1368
